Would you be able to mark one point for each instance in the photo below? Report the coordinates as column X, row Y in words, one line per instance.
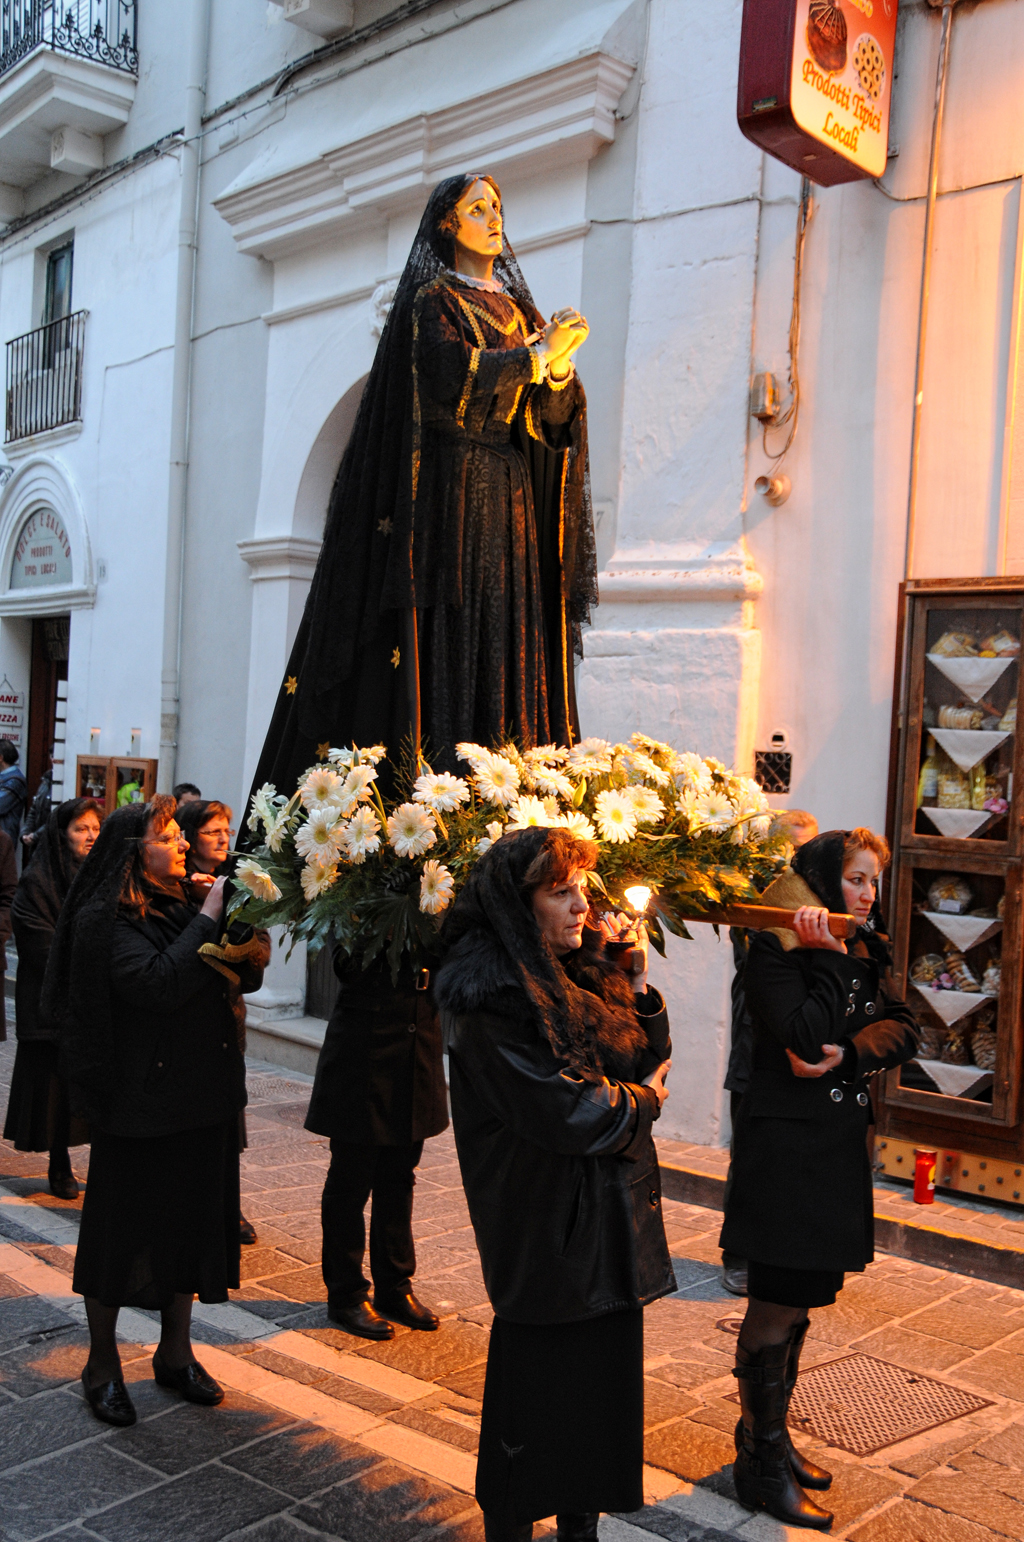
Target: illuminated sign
column 815, row 84
column 42, row 556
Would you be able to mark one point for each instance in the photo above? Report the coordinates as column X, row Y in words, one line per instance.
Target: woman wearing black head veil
column 826, row 1019
column 557, row 1064
column 137, row 988
column 38, row 1118
column 458, row 562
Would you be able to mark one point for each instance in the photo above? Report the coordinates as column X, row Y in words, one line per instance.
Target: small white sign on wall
column 42, row 556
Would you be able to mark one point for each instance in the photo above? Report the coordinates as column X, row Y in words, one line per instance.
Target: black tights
column 104, row 1362
column 767, row 1323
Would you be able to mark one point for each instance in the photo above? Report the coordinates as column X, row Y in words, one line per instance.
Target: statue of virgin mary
column 458, row 563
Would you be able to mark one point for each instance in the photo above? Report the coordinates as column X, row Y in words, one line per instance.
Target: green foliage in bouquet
column 338, row 861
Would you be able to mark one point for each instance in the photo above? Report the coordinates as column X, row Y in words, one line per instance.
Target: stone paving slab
column 329, row 1436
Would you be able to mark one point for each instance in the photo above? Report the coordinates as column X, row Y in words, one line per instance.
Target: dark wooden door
column 49, row 664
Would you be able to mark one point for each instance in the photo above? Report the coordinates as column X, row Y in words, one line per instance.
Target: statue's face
column 479, row 216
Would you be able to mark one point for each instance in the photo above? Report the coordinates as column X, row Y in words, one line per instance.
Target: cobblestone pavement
column 326, row 1436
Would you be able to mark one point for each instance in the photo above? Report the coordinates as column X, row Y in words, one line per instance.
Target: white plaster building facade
column 220, row 370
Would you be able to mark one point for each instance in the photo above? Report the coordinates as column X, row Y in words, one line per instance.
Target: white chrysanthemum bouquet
column 339, row 861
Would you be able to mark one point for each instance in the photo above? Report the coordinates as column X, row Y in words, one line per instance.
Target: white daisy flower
column 578, row 825
column 750, row 797
column 713, row 810
column 321, row 790
column 316, row 880
column 692, row 773
column 437, row 886
column 411, row 830
column 526, row 811
column 319, row 839
column 440, row 791
column 257, row 880
column 277, row 829
column 495, row 830
column 355, row 788
column 760, row 826
column 262, row 806
column 360, row 835
column 616, row 816
column 474, row 754
column 375, row 754
column 639, row 767
column 647, row 806
column 340, row 757
column 497, row 780
column 590, row 757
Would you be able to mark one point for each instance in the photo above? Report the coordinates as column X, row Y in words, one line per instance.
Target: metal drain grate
column 860, row 1404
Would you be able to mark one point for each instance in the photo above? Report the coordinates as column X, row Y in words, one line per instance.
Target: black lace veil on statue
column 362, row 586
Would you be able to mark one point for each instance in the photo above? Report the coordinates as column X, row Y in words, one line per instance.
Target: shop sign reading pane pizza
column 42, row 556
column 815, row 84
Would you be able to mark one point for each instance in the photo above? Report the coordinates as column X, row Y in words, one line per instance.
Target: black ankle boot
column 577, row 1528
column 496, row 1529
column 762, row 1472
column 805, row 1472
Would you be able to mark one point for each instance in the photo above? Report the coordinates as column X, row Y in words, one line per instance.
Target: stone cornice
column 664, row 575
column 279, row 556
column 561, row 116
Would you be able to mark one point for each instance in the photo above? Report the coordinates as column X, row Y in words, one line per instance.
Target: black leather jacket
column 561, row 1174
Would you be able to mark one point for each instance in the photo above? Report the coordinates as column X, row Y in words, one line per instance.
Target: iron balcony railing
column 104, row 30
column 44, row 377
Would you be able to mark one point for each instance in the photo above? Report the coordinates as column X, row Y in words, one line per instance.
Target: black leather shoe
column 63, row 1185
column 109, row 1401
column 734, row 1278
column 194, row 1384
column 577, row 1528
column 360, row 1319
column 246, row 1232
column 407, row 1310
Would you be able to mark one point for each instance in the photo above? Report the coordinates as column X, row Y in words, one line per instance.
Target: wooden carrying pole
column 758, row 917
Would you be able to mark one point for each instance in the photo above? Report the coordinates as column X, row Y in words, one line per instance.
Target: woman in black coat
column 800, row 1208
column 38, row 1118
column 556, row 1069
column 206, row 825
column 152, row 1061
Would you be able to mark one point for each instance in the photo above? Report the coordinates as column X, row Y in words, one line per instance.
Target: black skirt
column 160, row 1218
column 562, row 1430
column 38, row 1118
column 793, row 1287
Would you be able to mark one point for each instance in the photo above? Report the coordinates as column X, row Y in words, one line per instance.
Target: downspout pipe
column 188, row 215
column 926, row 278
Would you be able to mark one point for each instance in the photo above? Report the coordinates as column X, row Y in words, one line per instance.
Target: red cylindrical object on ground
column 924, row 1175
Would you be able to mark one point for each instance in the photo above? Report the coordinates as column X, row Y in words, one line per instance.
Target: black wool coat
column 176, row 1063
column 380, row 1073
column 560, row 1173
column 801, row 1194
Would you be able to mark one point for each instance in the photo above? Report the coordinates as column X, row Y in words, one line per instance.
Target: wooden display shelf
column 114, row 780
column 914, row 1109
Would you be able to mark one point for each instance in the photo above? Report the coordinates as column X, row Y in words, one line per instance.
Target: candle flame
column 639, row 898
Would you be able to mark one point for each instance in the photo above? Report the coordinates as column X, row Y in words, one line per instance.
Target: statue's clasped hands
column 564, row 333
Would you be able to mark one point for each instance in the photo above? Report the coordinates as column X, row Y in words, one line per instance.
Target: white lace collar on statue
column 490, row 284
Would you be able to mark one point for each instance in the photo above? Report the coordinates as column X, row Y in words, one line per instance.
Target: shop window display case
column 956, row 808
column 115, row 780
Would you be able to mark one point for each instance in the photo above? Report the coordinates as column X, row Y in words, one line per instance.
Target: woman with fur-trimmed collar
column 826, row 1019
column 556, row 1069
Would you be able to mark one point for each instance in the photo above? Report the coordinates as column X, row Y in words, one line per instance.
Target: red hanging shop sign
column 815, row 84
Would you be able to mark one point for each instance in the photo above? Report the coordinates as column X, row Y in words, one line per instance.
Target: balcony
column 44, row 377
column 67, row 78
